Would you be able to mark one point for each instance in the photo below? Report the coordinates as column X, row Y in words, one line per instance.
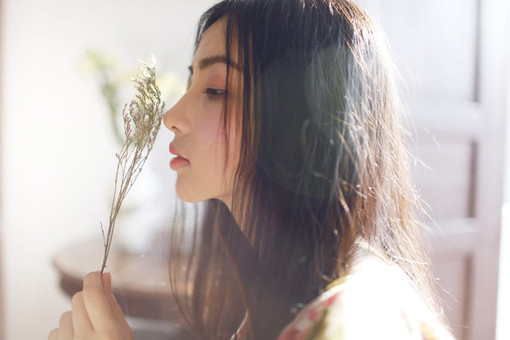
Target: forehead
column 212, row 42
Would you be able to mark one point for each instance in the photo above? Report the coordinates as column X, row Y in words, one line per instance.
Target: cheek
column 209, row 126
column 213, row 141
column 208, row 172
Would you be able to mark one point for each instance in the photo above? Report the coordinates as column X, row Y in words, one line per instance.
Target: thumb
column 106, row 279
column 114, row 305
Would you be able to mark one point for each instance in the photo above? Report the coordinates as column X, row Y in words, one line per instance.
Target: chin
column 197, row 193
column 184, row 193
column 188, row 193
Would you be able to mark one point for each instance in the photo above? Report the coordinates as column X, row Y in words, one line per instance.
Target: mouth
column 178, row 162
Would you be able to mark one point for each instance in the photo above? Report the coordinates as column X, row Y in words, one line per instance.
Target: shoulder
column 375, row 301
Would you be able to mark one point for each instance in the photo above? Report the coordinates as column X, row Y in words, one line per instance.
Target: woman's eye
column 214, row 93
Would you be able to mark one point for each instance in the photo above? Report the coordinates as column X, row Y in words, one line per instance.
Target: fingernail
column 107, row 280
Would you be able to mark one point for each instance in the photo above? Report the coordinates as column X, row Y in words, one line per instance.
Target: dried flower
column 142, row 120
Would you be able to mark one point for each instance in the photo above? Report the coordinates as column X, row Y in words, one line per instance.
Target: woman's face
column 205, row 166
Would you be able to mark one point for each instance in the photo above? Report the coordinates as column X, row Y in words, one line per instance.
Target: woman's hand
column 95, row 315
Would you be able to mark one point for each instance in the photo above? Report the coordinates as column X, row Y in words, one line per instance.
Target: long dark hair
column 322, row 167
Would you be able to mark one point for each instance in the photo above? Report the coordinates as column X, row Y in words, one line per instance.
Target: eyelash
column 214, row 93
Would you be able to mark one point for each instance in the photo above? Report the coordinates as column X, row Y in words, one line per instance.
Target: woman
column 290, row 130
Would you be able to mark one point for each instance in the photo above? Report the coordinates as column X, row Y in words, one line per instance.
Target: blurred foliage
column 112, row 80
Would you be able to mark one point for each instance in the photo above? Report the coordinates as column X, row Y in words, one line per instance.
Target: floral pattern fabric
column 376, row 303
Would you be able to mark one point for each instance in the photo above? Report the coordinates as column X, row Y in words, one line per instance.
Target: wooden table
column 140, row 281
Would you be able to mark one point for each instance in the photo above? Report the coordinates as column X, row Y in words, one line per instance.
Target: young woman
column 290, row 131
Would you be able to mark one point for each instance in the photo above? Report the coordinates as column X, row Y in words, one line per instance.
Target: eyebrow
column 215, row 59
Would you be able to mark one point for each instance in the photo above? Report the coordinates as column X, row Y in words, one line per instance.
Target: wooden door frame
column 492, row 93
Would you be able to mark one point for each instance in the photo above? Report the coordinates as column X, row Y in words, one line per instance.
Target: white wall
column 58, row 149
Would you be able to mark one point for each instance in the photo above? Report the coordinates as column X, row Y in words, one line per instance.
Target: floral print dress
column 374, row 302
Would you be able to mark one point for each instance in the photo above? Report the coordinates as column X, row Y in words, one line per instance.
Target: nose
column 175, row 118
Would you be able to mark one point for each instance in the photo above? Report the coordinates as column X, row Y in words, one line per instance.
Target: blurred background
column 66, row 64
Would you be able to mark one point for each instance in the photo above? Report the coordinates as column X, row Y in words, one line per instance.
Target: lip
column 174, row 151
column 178, row 162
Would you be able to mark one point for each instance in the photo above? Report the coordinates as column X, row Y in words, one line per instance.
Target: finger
column 98, row 308
column 112, row 301
column 65, row 331
column 53, row 334
column 81, row 321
